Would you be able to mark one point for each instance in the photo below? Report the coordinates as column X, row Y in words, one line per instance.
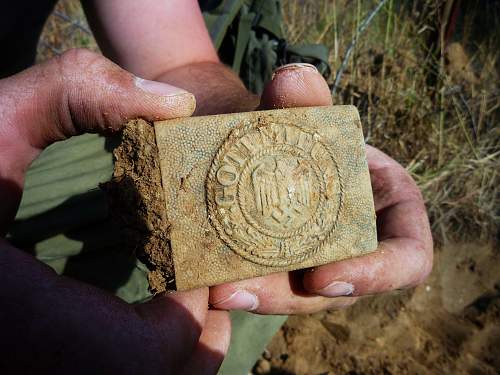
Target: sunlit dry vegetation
column 435, row 107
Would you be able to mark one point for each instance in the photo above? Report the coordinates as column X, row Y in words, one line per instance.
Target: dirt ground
column 448, row 325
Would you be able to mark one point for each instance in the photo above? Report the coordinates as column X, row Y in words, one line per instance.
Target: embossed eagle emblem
column 282, row 188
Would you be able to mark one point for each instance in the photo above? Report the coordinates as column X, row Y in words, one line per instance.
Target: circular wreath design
column 249, row 253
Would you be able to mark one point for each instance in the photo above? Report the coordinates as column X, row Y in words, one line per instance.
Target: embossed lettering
column 305, row 141
column 225, row 197
column 292, row 134
column 317, row 151
column 236, row 158
column 227, row 175
column 249, row 145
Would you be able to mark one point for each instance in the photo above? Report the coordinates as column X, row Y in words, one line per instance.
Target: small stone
column 263, row 367
column 267, row 354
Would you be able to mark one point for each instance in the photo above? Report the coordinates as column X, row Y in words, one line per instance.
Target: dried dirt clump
column 138, row 204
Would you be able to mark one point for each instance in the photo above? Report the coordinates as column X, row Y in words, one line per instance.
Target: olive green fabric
column 63, row 218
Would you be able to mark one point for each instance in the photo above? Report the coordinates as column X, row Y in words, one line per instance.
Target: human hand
column 404, row 255
column 54, row 324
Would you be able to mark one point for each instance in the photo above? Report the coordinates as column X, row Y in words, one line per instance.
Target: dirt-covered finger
column 181, row 316
column 405, row 252
column 398, row 263
column 279, row 293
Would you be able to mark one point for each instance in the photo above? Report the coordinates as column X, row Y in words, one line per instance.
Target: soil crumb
column 448, row 325
column 138, row 204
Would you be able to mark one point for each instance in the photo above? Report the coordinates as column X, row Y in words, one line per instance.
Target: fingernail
column 158, row 88
column 295, row 66
column 337, row 289
column 240, row 300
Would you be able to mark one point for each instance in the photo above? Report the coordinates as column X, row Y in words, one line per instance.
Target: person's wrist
column 216, row 87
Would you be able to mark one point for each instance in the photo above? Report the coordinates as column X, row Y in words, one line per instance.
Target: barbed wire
column 71, row 31
column 362, row 27
column 77, row 24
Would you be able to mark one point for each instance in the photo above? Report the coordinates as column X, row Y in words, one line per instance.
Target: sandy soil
column 449, row 325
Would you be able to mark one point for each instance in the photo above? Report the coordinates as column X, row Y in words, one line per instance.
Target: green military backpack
column 249, row 37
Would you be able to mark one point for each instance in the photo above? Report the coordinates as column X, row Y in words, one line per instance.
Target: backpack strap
column 268, row 16
column 315, row 54
column 245, row 23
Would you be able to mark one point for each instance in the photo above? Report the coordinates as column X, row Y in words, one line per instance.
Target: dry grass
column 438, row 118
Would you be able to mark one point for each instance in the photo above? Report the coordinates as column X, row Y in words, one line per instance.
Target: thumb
column 296, row 85
column 79, row 92
column 74, row 93
column 177, row 317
